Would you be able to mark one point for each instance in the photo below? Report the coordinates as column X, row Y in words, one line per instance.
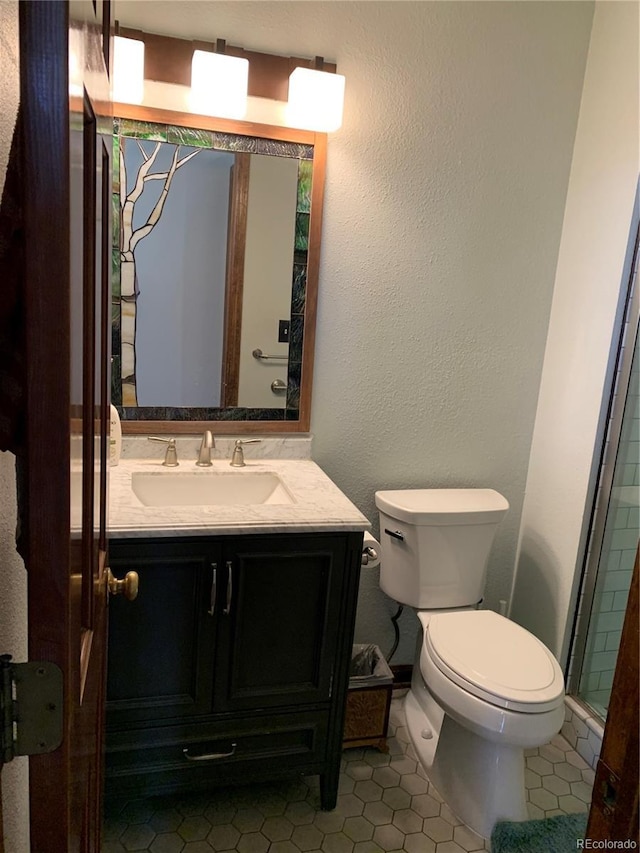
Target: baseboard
column 401, row 675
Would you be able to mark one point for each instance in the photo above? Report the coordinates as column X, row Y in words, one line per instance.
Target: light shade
column 128, row 70
column 316, row 99
column 219, row 84
column 76, row 62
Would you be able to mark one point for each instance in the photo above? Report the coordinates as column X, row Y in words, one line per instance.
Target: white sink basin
column 209, row 488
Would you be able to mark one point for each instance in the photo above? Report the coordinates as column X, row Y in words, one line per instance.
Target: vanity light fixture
column 316, row 99
column 76, row 61
column 128, row 70
column 219, row 84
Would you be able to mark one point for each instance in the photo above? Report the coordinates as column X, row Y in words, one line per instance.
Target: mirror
column 215, row 264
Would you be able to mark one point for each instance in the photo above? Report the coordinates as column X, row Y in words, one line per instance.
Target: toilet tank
column 436, row 544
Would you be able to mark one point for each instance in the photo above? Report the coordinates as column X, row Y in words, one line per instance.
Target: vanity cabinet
column 232, row 663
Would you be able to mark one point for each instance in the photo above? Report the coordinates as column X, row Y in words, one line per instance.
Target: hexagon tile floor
column 385, row 803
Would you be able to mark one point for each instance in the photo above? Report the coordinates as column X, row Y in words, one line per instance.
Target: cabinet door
column 280, row 620
column 162, row 645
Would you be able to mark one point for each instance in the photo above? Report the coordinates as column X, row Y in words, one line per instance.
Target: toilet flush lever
column 396, row 534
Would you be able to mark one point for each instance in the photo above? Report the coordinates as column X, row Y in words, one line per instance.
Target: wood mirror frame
column 230, row 421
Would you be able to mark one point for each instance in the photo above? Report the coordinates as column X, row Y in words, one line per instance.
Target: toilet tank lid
column 443, row 506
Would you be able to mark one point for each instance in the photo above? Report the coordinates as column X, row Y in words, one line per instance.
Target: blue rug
column 551, row 835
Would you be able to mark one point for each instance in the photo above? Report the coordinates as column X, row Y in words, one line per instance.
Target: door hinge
column 31, row 706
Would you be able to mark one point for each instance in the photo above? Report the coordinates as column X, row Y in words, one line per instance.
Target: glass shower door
column 614, row 544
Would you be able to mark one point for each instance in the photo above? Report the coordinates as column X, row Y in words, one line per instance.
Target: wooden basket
column 368, row 701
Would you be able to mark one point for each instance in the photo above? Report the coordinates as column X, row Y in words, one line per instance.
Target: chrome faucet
column 204, row 456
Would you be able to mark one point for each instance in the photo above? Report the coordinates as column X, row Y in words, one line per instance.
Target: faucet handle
column 171, row 456
column 237, row 460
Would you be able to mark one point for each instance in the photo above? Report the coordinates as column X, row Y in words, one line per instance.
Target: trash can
column 368, row 698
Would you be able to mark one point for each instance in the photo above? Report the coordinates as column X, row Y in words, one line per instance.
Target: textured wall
column 9, row 79
column 594, row 246
column 444, row 200
column 13, row 603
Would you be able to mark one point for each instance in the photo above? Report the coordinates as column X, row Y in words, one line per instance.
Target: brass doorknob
column 128, row 586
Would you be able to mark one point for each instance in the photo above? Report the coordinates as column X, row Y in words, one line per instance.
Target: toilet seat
column 495, row 659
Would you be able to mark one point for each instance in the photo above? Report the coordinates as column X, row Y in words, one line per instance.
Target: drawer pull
column 209, row 756
column 396, row 534
column 227, row 609
column 214, row 572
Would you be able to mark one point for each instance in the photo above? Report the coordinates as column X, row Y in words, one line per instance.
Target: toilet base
column 481, row 781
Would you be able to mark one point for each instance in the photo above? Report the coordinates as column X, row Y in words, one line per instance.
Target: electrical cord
column 396, row 629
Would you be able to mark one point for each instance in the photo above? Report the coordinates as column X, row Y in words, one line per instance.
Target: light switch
column 283, row 331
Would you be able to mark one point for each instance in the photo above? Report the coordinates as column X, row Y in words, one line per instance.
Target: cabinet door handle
column 214, row 589
column 209, row 756
column 227, row 609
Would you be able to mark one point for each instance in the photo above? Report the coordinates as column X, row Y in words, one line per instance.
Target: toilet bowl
column 501, row 692
column 493, row 675
column 483, row 688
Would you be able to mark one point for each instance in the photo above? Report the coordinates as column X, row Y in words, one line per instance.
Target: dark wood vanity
column 232, row 664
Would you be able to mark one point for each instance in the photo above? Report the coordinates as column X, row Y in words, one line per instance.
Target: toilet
column 483, row 688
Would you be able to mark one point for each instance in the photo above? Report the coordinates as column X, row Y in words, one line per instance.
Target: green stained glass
column 302, row 232
column 115, row 212
column 257, row 145
column 143, row 130
column 190, row 136
column 305, row 174
column 115, row 273
column 232, row 142
column 298, row 290
column 116, row 385
column 115, row 172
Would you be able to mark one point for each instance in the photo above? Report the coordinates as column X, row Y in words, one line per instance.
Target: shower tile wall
column 617, row 558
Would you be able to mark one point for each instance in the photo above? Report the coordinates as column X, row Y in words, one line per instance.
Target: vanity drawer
column 169, row 758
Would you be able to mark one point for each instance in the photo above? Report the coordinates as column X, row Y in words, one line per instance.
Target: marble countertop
column 317, row 505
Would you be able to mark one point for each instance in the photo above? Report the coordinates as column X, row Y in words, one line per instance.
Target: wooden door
column 64, row 57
